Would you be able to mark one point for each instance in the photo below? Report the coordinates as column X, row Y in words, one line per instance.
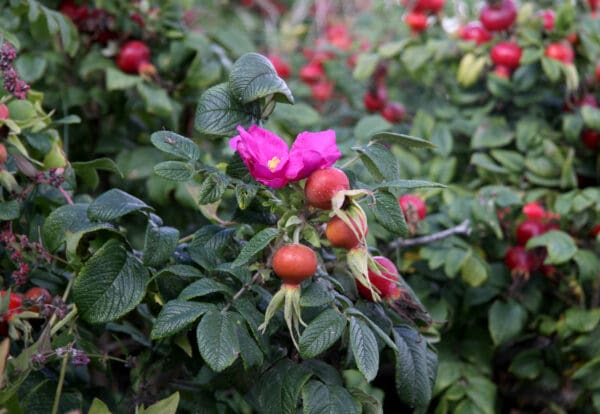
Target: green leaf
column 322, row 398
column 9, row 210
column 165, row 406
column 203, row 287
column 389, row 214
column 176, row 145
column 581, row 320
column 365, row 66
column 406, row 140
column 116, row 80
column 212, row 188
column 483, row 393
column 407, row 184
column 219, row 112
column 370, row 125
column 98, row 407
column 175, row 170
column 527, row 364
column 380, row 161
column 159, row 244
column 588, row 264
column 316, row 294
column 250, row 352
column 551, row 68
column 255, row 246
column 505, row 320
column 591, row 117
column 110, row 284
column 560, row 246
column 156, row 99
column 474, row 271
column 113, row 204
column 30, row 67
column 290, row 377
column 69, row 223
column 87, row 170
column 364, row 348
column 176, row 316
column 253, row 77
column 413, row 382
column 492, row 133
column 217, row 340
column 301, row 114
column 321, row 333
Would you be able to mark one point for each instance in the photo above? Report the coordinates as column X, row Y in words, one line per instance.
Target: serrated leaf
column 474, row 271
column 370, row 125
column 316, row 294
column 159, row 244
column 176, row 145
column 250, row 352
column 9, row 210
column 413, row 382
column 110, row 284
column 219, row 113
column 255, row 245
column 505, row 320
column 492, row 133
column 364, row 348
column 321, row 333
column 87, row 170
column 380, row 162
column 560, row 246
column 389, row 214
column 212, row 188
column 244, row 194
column 290, row 377
column 322, row 398
column 165, row 406
column 253, row 77
column 113, row 204
column 98, row 407
column 174, row 170
column 203, row 287
column 217, row 340
column 406, row 140
column 69, row 222
column 300, row 113
column 177, row 315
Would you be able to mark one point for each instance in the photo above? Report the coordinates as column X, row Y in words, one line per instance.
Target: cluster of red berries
column 375, row 98
column 589, row 137
column 98, row 24
column 417, row 17
column 12, row 82
column 518, row 259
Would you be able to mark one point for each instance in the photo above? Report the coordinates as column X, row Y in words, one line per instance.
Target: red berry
column 590, row 139
column 534, row 211
column 322, row 185
column 386, row 281
column 375, row 100
column 73, row 11
column 598, row 72
column 133, row 54
column 498, row 17
column 312, row 72
column 294, row 263
column 432, row 6
column 3, row 153
column 562, row 52
column 14, row 305
column 528, row 229
column 411, row 205
column 476, row 32
column 281, row 66
column 596, row 230
column 519, row 260
column 417, row 21
column 339, row 36
column 4, row 114
column 322, row 90
column 506, row 54
column 394, row 112
column 341, row 235
column 39, row 296
column 548, row 16
column 503, row 71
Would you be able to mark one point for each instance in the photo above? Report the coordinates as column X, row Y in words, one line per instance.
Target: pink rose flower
column 270, row 161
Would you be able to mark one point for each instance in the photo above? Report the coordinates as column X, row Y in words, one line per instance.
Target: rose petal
column 310, row 152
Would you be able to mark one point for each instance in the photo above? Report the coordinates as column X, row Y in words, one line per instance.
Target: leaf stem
column 462, row 228
column 61, row 380
column 240, row 292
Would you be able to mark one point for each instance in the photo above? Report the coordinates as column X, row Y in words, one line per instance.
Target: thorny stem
column 243, row 290
column 462, row 228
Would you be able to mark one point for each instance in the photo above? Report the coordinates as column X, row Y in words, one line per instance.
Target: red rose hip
column 322, row 185
column 294, row 263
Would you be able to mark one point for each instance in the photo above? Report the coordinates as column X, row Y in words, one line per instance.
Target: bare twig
column 243, row 290
column 462, row 228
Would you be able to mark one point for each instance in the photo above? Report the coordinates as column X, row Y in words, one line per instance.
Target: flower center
column 273, row 163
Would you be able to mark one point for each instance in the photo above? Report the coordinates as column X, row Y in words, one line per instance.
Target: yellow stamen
column 273, row 163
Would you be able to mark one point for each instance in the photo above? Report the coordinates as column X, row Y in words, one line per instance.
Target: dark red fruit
column 386, row 282
column 519, row 260
column 596, row 230
column 339, row 36
column 528, row 229
column 322, row 185
column 312, row 72
column 4, row 114
column 294, row 263
column 14, row 306
column 548, row 16
column 597, row 72
column 341, row 235
column 132, row 55
column 39, row 296
column 413, row 206
column 561, row 51
column 432, row 6
column 590, row 139
column 281, row 66
column 73, row 11
column 376, row 99
column 499, row 17
column 534, row 211
column 3, row 154
column 474, row 31
column 506, row 54
column 322, row 90
column 394, row 112
column 417, row 21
